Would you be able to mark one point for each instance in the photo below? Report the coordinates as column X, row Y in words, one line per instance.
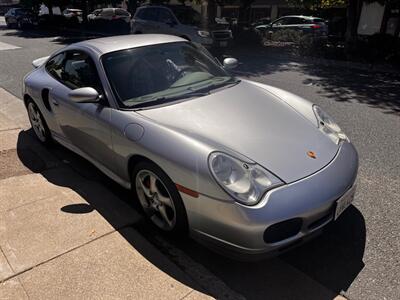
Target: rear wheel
column 38, row 123
column 159, row 198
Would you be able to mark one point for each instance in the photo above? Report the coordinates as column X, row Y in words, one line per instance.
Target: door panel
column 84, row 125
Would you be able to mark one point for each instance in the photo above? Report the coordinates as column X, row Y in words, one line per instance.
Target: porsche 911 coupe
column 242, row 166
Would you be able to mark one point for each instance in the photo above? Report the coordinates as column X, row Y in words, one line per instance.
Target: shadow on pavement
column 59, row 37
column 334, row 259
column 374, row 89
column 338, row 83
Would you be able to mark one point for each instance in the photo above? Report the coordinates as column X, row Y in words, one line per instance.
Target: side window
column 282, row 21
column 121, row 12
column 54, row 66
column 296, row 21
column 139, row 14
column 80, row 71
column 149, row 14
column 164, row 16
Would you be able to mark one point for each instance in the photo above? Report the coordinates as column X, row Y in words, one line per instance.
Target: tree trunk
column 353, row 9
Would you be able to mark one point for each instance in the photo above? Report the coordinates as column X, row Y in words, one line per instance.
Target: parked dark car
column 20, row 18
column 312, row 25
column 182, row 21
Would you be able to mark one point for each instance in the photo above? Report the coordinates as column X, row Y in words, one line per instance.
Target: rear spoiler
column 40, row 61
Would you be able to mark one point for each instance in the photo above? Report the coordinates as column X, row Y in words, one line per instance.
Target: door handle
column 54, row 102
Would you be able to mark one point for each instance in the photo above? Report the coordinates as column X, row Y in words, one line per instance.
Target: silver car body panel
column 311, row 198
column 254, row 122
column 250, row 121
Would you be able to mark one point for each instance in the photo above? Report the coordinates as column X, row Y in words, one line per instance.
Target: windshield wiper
column 165, row 99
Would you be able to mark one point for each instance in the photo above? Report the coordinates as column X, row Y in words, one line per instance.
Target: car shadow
column 62, row 37
column 319, row 269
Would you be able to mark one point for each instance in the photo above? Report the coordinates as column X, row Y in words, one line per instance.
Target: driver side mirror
column 230, row 63
column 84, row 95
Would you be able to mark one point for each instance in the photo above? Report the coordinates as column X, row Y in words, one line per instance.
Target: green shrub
column 286, row 35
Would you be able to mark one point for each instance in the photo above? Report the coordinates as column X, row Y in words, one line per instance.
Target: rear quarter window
column 107, row 12
column 54, row 66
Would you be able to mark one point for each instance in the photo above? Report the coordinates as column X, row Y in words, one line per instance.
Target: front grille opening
column 282, row 230
column 320, row 221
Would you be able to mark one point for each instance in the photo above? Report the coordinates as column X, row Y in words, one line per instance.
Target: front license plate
column 223, row 44
column 344, row 202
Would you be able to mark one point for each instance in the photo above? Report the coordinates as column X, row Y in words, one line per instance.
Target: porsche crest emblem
column 311, row 154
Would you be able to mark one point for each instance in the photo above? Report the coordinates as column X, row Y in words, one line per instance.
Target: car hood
column 252, row 121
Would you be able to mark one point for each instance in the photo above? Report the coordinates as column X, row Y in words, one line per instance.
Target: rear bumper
column 240, row 230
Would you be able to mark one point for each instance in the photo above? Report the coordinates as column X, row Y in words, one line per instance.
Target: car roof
column 300, row 16
column 122, row 42
column 170, row 6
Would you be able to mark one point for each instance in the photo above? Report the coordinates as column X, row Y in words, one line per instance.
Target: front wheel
column 38, row 123
column 159, row 198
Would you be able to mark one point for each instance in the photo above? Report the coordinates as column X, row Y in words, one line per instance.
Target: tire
column 9, row 25
column 38, row 123
column 153, row 195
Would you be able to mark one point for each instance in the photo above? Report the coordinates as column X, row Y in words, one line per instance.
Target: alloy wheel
column 36, row 121
column 155, row 200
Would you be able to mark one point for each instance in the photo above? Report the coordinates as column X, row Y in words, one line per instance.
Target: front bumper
column 239, row 229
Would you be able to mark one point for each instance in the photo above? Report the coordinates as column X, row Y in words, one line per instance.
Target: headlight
column 328, row 126
column 245, row 182
column 203, row 33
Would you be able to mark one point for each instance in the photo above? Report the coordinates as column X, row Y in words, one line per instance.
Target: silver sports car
column 247, row 167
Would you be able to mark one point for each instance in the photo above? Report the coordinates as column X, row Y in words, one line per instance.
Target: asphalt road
column 359, row 254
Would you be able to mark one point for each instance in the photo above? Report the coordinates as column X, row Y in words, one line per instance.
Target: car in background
column 20, row 18
column 73, row 14
column 182, row 21
column 103, row 15
column 261, row 21
column 305, row 24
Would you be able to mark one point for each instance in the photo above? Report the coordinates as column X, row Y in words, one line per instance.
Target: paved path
column 358, row 255
column 54, row 239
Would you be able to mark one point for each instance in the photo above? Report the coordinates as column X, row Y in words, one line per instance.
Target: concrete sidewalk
column 66, row 236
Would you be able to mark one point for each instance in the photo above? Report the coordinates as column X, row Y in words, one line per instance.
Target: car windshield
column 158, row 74
column 22, row 12
column 187, row 16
